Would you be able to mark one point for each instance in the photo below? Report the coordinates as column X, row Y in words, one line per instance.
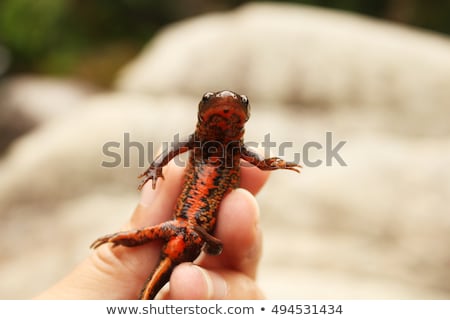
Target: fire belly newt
column 212, row 171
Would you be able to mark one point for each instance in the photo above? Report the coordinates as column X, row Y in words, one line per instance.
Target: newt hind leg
column 212, row 245
column 136, row 237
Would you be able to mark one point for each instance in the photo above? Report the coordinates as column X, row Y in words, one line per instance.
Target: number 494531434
column 306, row 309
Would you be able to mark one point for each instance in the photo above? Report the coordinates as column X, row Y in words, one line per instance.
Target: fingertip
column 240, row 211
column 156, row 205
column 192, row 282
column 169, row 184
column 253, row 178
column 239, row 230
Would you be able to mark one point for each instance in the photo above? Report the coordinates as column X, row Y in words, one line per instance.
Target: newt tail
column 213, row 170
column 157, row 279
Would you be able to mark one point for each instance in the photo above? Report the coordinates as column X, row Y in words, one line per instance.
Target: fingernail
column 216, row 285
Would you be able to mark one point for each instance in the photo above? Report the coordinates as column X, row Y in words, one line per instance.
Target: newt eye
column 244, row 100
column 207, row 96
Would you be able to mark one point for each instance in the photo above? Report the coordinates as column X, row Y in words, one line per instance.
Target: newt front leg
column 272, row 163
column 155, row 170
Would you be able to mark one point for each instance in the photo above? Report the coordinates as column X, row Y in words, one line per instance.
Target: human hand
column 120, row 272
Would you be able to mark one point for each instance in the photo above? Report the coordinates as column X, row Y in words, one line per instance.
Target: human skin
column 119, row 272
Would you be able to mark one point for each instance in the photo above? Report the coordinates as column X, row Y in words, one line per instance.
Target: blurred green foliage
column 87, row 38
column 92, row 39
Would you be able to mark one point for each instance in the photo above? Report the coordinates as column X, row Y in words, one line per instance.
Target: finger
column 242, row 252
column 253, row 179
column 108, row 268
column 130, row 266
column 238, row 229
column 190, row 281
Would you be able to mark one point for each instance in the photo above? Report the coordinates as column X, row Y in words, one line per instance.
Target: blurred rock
column 13, row 123
column 304, row 56
column 27, row 101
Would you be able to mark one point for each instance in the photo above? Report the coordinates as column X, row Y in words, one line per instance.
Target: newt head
column 223, row 113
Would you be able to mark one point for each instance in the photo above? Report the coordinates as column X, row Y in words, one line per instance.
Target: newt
column 213, row 169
